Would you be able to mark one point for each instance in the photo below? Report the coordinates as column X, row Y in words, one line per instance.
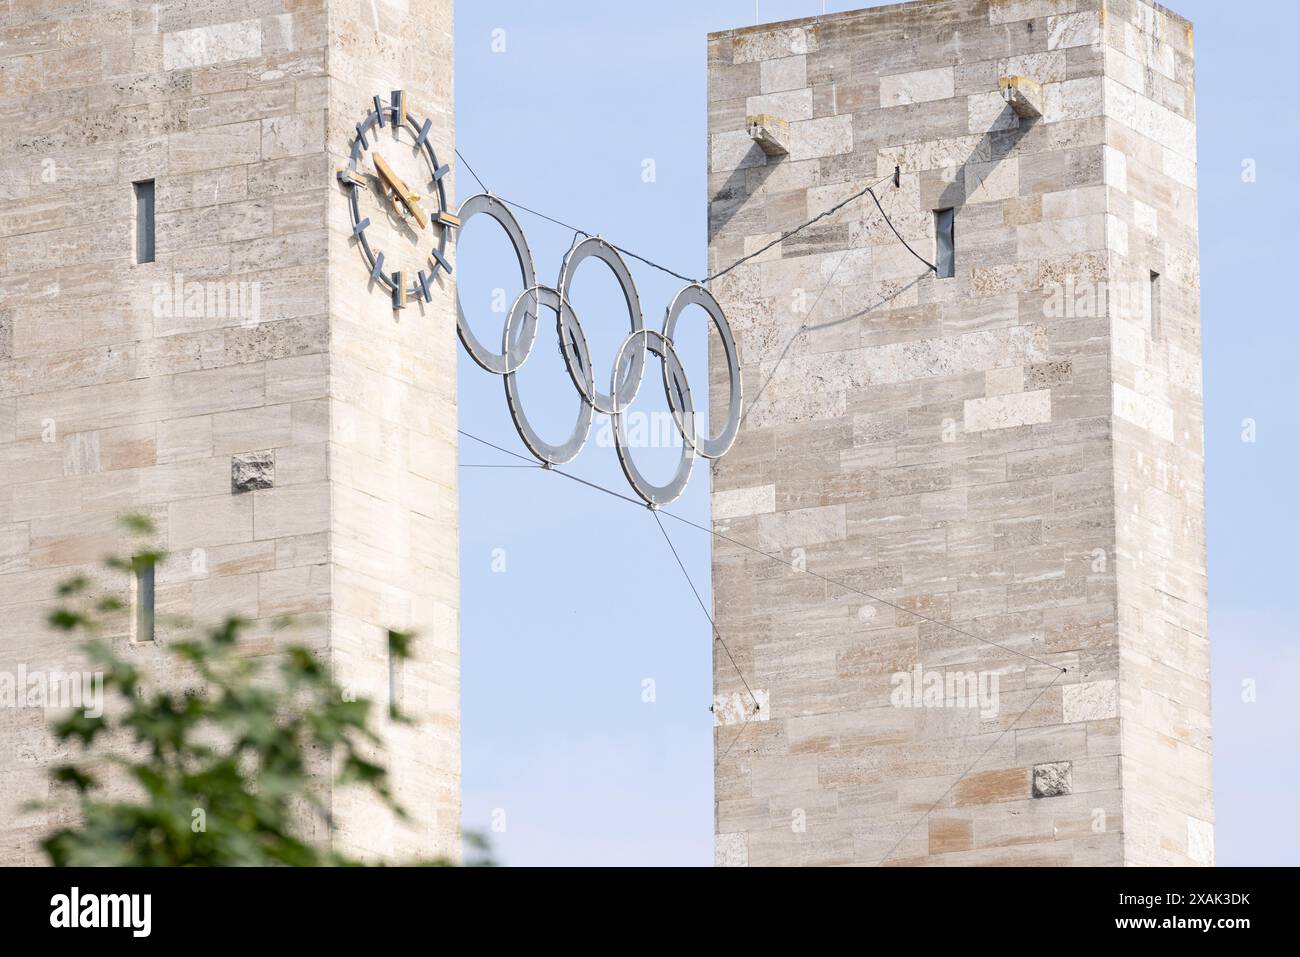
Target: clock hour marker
column 448, row 219
column 360, row 227
column 379, row 111
column 349, row 177
column 441, row 171
column 424, row 132
column 399, row 108
column 438, row 258
column 399, row 291
column 361, row 137
column 424, row 284
column 379, row 266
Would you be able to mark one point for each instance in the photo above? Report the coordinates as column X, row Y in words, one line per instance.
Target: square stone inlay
column 250, row 471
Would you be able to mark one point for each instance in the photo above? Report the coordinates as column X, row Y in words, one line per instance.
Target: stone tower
column 989, row 644
column 297, row 452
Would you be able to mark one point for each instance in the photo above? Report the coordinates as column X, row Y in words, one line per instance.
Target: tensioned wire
column 655, row 511
column 777, row 558
column 753, row 548
column 868, row 190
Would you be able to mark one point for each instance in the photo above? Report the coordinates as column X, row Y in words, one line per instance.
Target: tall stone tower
column 188, row 329
column 989, row 644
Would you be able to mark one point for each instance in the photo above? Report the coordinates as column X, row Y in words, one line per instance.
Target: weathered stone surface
column 1074, row 30
column 742, row 502
column 1008, row 411
column 827, row 136
column 1012, row 452
column 202, row 46
column 252, row 470
column 919, row 86
column 1090, row 701
column 790, row 105
column 786, row 73
column 1200, row 841
column 735, row 150
column 293, row 443
column 741, row 707
column 759, row 45
column 731, row 850
column 1053, row 780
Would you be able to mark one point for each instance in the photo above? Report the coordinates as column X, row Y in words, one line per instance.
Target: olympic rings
column 623, row 393
column 718, row 446
column 568, row 450
column 674, row 384
column 520, row 334
column 485, row 357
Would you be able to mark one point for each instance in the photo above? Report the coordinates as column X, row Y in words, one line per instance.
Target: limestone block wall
column 940, row 461
column 212, row 388
column 1158, row 419
column 393, row 486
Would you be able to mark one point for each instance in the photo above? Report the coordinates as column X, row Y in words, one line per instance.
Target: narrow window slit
column 144, row 225
column 143, row 594
column 1153, row 305
column 394, row 680
column 945, row 243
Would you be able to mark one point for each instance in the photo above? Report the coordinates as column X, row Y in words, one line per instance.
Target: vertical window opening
column 945, row 243
column 144, row 236
column 394, row 678
column 1153, row 304
column 144, row 599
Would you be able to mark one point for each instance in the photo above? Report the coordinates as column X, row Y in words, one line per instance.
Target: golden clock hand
column 386, row 173
column 403, row 192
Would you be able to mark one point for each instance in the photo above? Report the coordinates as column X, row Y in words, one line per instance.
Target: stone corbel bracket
column 1023, row 95
column 771, row 133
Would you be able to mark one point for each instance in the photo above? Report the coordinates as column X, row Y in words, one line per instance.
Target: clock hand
column 403, row 192
column 387, row 175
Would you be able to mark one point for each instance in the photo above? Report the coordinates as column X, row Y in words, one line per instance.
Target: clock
column 422, row 209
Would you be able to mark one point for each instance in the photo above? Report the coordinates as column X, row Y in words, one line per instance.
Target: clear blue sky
column 558, row 741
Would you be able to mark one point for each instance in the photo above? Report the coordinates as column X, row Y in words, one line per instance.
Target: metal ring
column 493, row 207
column 551, row 454
column 620, row 394
column 516, row 353
column 697, row 295
column 657, row 495
column 520, row 335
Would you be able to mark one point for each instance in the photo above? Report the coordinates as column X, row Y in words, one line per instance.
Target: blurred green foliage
column 224, row 776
